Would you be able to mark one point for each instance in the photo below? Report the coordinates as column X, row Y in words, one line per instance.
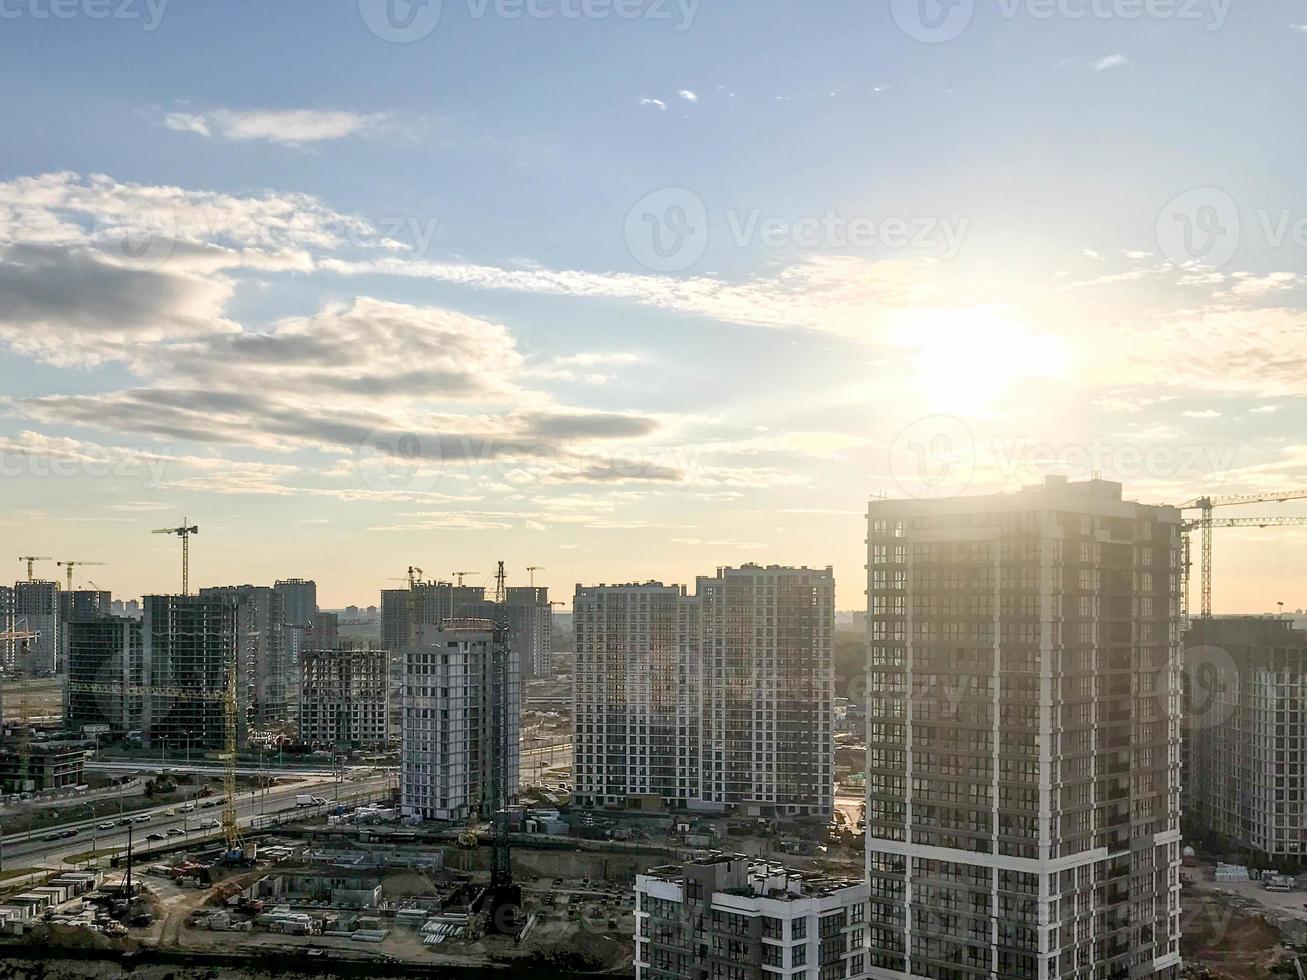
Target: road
column 32, row 849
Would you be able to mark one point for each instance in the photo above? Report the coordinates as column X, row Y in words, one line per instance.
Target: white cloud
column 688, row 95
column 658, row 104
column 1110, row 62
column 1206, row 413
column 292, row 127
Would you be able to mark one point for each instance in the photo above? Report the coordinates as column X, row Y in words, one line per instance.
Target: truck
column 305, row 800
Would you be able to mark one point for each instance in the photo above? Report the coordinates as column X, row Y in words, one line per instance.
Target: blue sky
column 399, row 302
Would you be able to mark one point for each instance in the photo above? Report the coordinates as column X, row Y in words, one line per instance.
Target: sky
column 634, row 289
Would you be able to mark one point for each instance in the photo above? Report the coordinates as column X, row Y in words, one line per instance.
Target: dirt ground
column 1226, row 934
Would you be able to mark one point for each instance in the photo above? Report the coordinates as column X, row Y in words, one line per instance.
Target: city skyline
column 349, row 321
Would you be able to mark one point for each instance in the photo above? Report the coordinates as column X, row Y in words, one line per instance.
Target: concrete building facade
column 634, row 706
column 1246, row 735
column 345, row 698
column 733, row 917
column 1023, row 729
column 189, row 643
column 449, row 734
column 36, row 608
column 723, row 699
column 106, row 674
column 265, row 651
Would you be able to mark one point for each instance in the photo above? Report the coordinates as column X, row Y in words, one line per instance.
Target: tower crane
column 1206, row 521
column 460, row 576
column 31, row 560
column 70, row 565
column 532, row 569
column 184, row 532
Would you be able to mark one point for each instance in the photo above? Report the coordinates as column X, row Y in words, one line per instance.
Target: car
column 107, row 825
column 175, row 832
column 144, row 818
column 210, row 823
column 186, row 807
column 155, row 836
column 54, row 836
column 125, row 822
column 69, row 833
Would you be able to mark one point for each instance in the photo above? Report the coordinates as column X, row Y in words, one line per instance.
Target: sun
column 964, row 360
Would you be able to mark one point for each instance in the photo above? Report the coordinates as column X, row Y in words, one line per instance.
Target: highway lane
column 25, row 851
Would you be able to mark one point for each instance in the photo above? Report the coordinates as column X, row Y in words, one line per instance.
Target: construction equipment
column 1206, row 522
column 184, row 532
column 532, row 569
column 31, row 560
column 70, row 565
column 460, row 576
column 505, row 898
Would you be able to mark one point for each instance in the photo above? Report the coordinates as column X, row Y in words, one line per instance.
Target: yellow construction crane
column 70, row 565
column 184, row 532
column 1205, row 522
column 31, row 560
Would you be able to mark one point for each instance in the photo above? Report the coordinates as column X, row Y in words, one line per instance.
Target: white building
column 449, row 743
column 732, row 917
column 1023, row 736
column 722, row 700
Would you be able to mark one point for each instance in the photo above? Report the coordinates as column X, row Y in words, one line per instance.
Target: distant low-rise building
column 41, row 766
column 733, row 917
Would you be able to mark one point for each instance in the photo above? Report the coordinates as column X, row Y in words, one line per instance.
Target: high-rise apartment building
column 345, row 698
column 36, row 609
column 300, row 600
column 189, row 644
column 635, row 719
column 8, row 648
column 733, row 917
column 405, row 611
column 722, row 699
column 79, row 605
column 451, row 743
column 326, row 631
column 1023, row 726
column 267, row 661
column 106, row 674
column 1245, row 786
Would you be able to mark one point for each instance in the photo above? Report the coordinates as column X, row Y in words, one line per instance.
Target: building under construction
column 345, row 698
column 1246, row 737
column 264, row 649
column 189, row 643
column 405, row 611
column 36, row 608
column 106, row 674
